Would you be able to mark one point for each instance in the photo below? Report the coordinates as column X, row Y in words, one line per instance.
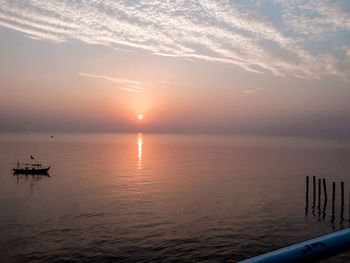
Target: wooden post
column 333, row 201
column 342, row 200
column 325, row 198
column 319, row 197
column 307, row 189
column 307, row 197
column 314, row 188
column 314, row 194
column 325, row 190
column 342, row 193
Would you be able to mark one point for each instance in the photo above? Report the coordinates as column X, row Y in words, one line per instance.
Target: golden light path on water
column 139, row 143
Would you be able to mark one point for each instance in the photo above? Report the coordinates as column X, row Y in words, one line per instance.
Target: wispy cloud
column 132, row 90
column 251, row 91
column 214, row 31
column 123, row 84
column 116, row 80
column 137, row 87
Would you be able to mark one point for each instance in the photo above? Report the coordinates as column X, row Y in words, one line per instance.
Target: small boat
column 31, row 168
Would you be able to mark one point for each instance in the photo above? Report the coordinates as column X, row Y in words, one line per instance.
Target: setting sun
column 140, row 116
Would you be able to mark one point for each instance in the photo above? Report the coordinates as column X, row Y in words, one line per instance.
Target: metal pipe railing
column 308, row 251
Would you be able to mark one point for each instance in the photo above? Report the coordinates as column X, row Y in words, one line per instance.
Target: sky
column 272, row 67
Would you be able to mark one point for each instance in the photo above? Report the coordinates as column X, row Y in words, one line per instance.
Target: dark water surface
column 153, row 197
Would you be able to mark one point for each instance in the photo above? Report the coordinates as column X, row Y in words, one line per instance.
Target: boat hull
column 31, row 171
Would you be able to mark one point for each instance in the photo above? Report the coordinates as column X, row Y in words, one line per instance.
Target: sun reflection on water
column 139, row 143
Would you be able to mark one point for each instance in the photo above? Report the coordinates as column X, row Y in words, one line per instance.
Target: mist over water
column 155, row 197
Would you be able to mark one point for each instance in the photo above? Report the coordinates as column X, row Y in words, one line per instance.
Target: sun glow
column 139, row 144
column 140, row 116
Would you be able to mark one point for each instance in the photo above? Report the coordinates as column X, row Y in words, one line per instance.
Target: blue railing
column 308, row 251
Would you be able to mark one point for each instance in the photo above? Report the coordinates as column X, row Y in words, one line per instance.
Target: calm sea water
column 153, row 197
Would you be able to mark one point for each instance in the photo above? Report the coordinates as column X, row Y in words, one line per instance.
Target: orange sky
column 220, row 80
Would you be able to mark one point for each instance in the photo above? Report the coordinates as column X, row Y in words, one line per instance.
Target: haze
column 249, row 67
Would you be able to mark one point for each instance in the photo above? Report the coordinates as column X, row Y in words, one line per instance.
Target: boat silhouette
column 31, row 168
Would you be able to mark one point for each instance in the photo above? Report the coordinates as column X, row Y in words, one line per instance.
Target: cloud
column 315, row 18
column 116, row 80
column 251, row 91
column 123, row 84
column 127, row 84
column 132, row 90
column 302, row 41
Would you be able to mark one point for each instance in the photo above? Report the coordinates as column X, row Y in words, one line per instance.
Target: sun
column 140, row 116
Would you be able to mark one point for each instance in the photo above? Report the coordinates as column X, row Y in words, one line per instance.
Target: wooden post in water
column 307, row 190
column 342, row 200
column 314, row 188
column 314, row 194
column 319, row 197
column 333, row 201
column 342, row 193
column 325, row 198
column 325, row 190
column 307, row 197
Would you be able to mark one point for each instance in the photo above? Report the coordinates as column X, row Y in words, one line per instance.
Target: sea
column 141, row 197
